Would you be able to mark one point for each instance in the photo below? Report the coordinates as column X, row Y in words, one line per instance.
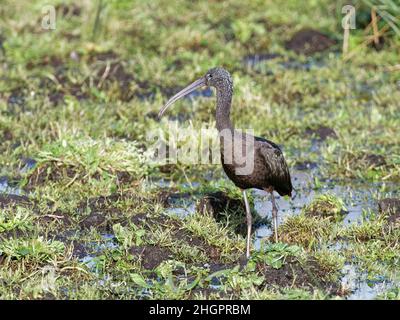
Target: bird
column 268, row 168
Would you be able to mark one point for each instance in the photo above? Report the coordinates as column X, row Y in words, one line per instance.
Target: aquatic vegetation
column 326, row 205
column 305, row 230
column 33, row 249
column 15, row 219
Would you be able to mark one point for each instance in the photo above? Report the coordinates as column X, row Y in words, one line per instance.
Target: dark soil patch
column 7, row 200
column 390, row 206
column 294, row 274
column 95, row 220
column 60, row 71
column 124, row 177
column 322, row 133
column 7, row 135
column 150, row 256
column 152, row 115
column 379, row 45
column 13, row 234
column 168, row 168
column 181, row 234
column 57, row 217
column 53, row 61
column 220, row 205
column 309, row 41
column 16, row 99
column 103, row 213
column 167, row 198
column 65, row 10
column 103, row 56
column 49, row 172
column 57, row 172
column 373, row 160
column 138, row 219
column 219, row 202
column 110, row 69
column 211, row 251
column 115, row 71
column 79, row 251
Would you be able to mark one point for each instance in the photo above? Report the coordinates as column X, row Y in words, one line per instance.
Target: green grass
column 81, row 101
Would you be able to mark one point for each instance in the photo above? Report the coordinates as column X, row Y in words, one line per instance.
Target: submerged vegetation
column 86, row 214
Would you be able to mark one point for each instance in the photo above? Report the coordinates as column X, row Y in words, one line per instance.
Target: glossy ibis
column 269, row 169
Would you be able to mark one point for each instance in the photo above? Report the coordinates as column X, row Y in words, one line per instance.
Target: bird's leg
column 249, row 223
column 274, row 215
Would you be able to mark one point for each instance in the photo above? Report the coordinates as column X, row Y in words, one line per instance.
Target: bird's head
column 217, row 77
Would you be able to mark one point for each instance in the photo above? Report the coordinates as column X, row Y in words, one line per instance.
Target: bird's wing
column 279, row 175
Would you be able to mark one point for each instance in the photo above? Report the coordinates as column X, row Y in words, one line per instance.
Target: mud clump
column 218, row 202
column 55, row 172
column 47, row 172
column 168, row 168
column 68, row 10
column 52, row 61
column 110, row 69
column 309, row 41
column 102, row 210
column 124, row 177
column 95, row 220
column 167, row 198
column 390, row 206
column 7, row 135
column 220, row 206
column 103, row 56
column 373, row 160
column 7, row 200
column 294, row 273
column 79, row 250
column 322, row 133
column 211, row 251
column 150, row 256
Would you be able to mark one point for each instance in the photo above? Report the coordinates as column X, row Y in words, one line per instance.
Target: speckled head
column 218, row 78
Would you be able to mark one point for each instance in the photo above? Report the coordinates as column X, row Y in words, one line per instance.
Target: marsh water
column 360, row 200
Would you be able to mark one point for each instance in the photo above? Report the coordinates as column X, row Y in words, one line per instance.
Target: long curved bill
column 190, row 88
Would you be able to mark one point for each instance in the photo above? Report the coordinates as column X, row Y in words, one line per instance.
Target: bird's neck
column 224, row 102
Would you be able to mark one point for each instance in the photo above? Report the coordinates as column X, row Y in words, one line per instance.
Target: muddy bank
column 321, row 133
column 309, row 41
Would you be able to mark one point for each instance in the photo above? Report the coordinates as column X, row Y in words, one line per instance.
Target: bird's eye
column 209, row 76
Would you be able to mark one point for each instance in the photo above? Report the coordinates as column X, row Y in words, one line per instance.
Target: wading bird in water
column 269, row 171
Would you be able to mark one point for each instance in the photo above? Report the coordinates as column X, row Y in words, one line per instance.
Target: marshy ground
column 84, row 214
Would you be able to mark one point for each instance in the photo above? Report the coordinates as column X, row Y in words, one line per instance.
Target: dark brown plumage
column 270, row 171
